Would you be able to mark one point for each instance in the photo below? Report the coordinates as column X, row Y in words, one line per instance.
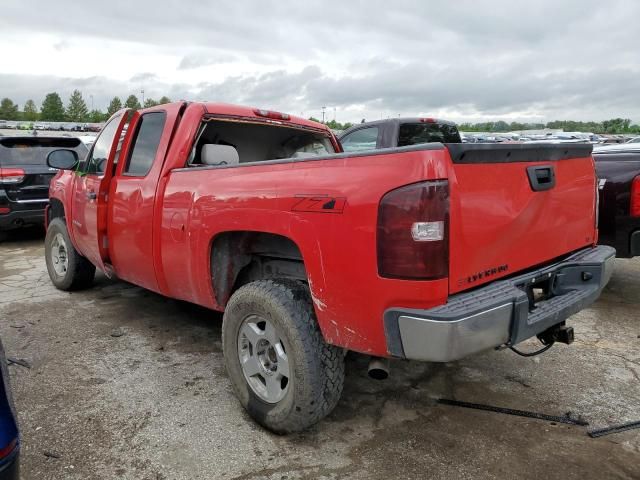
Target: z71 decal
column 318, row 204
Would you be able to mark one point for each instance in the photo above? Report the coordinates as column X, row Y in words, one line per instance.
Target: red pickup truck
column 427, row 252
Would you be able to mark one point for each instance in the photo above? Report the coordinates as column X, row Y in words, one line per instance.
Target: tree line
column 53, row 109
column 614, row 125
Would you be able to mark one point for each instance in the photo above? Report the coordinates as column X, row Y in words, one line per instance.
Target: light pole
column 91, row 102
column 323, row 109
column 142, row 92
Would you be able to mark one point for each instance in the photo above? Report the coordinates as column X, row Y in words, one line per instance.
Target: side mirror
column 62, row 159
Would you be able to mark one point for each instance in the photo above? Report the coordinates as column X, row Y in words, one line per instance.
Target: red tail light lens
column 635, row 197
column 8, row 449
column 413, row 232
column 11, row 175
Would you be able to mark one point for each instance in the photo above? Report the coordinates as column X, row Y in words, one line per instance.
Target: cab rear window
column 414, row 133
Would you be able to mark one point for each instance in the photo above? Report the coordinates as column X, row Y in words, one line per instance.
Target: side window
column 363, row 139
column 145, row 144
column 96, row 161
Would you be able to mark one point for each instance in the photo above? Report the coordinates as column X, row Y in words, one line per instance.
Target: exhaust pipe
column 378, row 368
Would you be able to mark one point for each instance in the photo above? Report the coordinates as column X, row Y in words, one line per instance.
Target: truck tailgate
column 515, row 206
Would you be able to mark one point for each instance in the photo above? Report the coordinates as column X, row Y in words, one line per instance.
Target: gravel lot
column 124, row 383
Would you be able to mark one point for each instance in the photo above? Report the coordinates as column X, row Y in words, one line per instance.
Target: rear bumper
column 21, row 213
column 10, row 468
column 634, row 243
column 499, row 314
column 19, row 218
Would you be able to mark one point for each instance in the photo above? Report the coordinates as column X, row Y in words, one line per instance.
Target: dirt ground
column 126, row 384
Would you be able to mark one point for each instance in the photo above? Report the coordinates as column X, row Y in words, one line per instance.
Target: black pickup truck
column 619, row 215
column 398, row 132
column 25, row 177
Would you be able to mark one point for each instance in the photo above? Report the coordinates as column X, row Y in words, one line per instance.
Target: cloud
column 143, row 77
column 192, row 61
column 462, row 60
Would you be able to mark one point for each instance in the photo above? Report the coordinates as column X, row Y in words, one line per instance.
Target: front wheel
column 282, row 370
column 68, row 270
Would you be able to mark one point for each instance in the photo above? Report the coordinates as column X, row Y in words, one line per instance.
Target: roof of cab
column 243, row 111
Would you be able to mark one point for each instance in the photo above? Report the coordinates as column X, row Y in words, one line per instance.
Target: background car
column 618, row 171
column 25, row 177
column 9, row 434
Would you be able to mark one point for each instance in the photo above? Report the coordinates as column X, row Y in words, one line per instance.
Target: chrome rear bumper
column 500, row 313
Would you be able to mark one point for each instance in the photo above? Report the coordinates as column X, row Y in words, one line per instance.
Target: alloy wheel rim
column 59, row 256
column 263, row 358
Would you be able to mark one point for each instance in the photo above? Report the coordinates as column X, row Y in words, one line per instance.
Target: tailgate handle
column 541, row 178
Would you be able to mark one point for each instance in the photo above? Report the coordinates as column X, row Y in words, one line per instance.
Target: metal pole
column 142, row 92
column 323, row 109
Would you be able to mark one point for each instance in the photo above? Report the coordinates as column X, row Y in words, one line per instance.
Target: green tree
column 163, row 100
column 52, row 108
column 96, row 116
column 8, row 109
column 132, row 102
column 150, row 102
column 77, row 110
column 114, row 106
column 30, row 111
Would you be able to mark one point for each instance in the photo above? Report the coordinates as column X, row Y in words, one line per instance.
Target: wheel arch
column 239, row 257
column 55, row 210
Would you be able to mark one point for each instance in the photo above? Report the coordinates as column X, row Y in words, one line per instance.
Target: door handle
column 541, row 177
column 91, row 195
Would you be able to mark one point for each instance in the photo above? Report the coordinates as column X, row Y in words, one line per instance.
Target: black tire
column 316, row 368
column 79, row 273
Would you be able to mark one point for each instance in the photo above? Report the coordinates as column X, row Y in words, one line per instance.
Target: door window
column 97, row 160
column 363, row 139
column 145, row 144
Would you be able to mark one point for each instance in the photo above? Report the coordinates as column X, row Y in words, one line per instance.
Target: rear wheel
column 67, row 269
column 282, row 370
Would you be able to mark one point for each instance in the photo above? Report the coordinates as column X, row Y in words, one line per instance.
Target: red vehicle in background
column 428, row 252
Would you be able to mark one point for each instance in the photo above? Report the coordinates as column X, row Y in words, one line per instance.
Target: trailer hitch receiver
column 558, row 333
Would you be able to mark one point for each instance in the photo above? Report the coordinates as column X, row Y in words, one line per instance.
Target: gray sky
column 463, row 60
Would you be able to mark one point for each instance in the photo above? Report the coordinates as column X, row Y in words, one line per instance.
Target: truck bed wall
column 338, row 248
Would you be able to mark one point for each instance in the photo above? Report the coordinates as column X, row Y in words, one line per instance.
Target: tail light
column 413, row 232
column 11, row 175
column 8, row 449
column 635, row 197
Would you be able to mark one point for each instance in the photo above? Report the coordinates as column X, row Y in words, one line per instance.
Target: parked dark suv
column 25, row 177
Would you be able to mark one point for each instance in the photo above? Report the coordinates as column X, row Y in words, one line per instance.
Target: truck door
column 90, row 187
column 133, row 196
